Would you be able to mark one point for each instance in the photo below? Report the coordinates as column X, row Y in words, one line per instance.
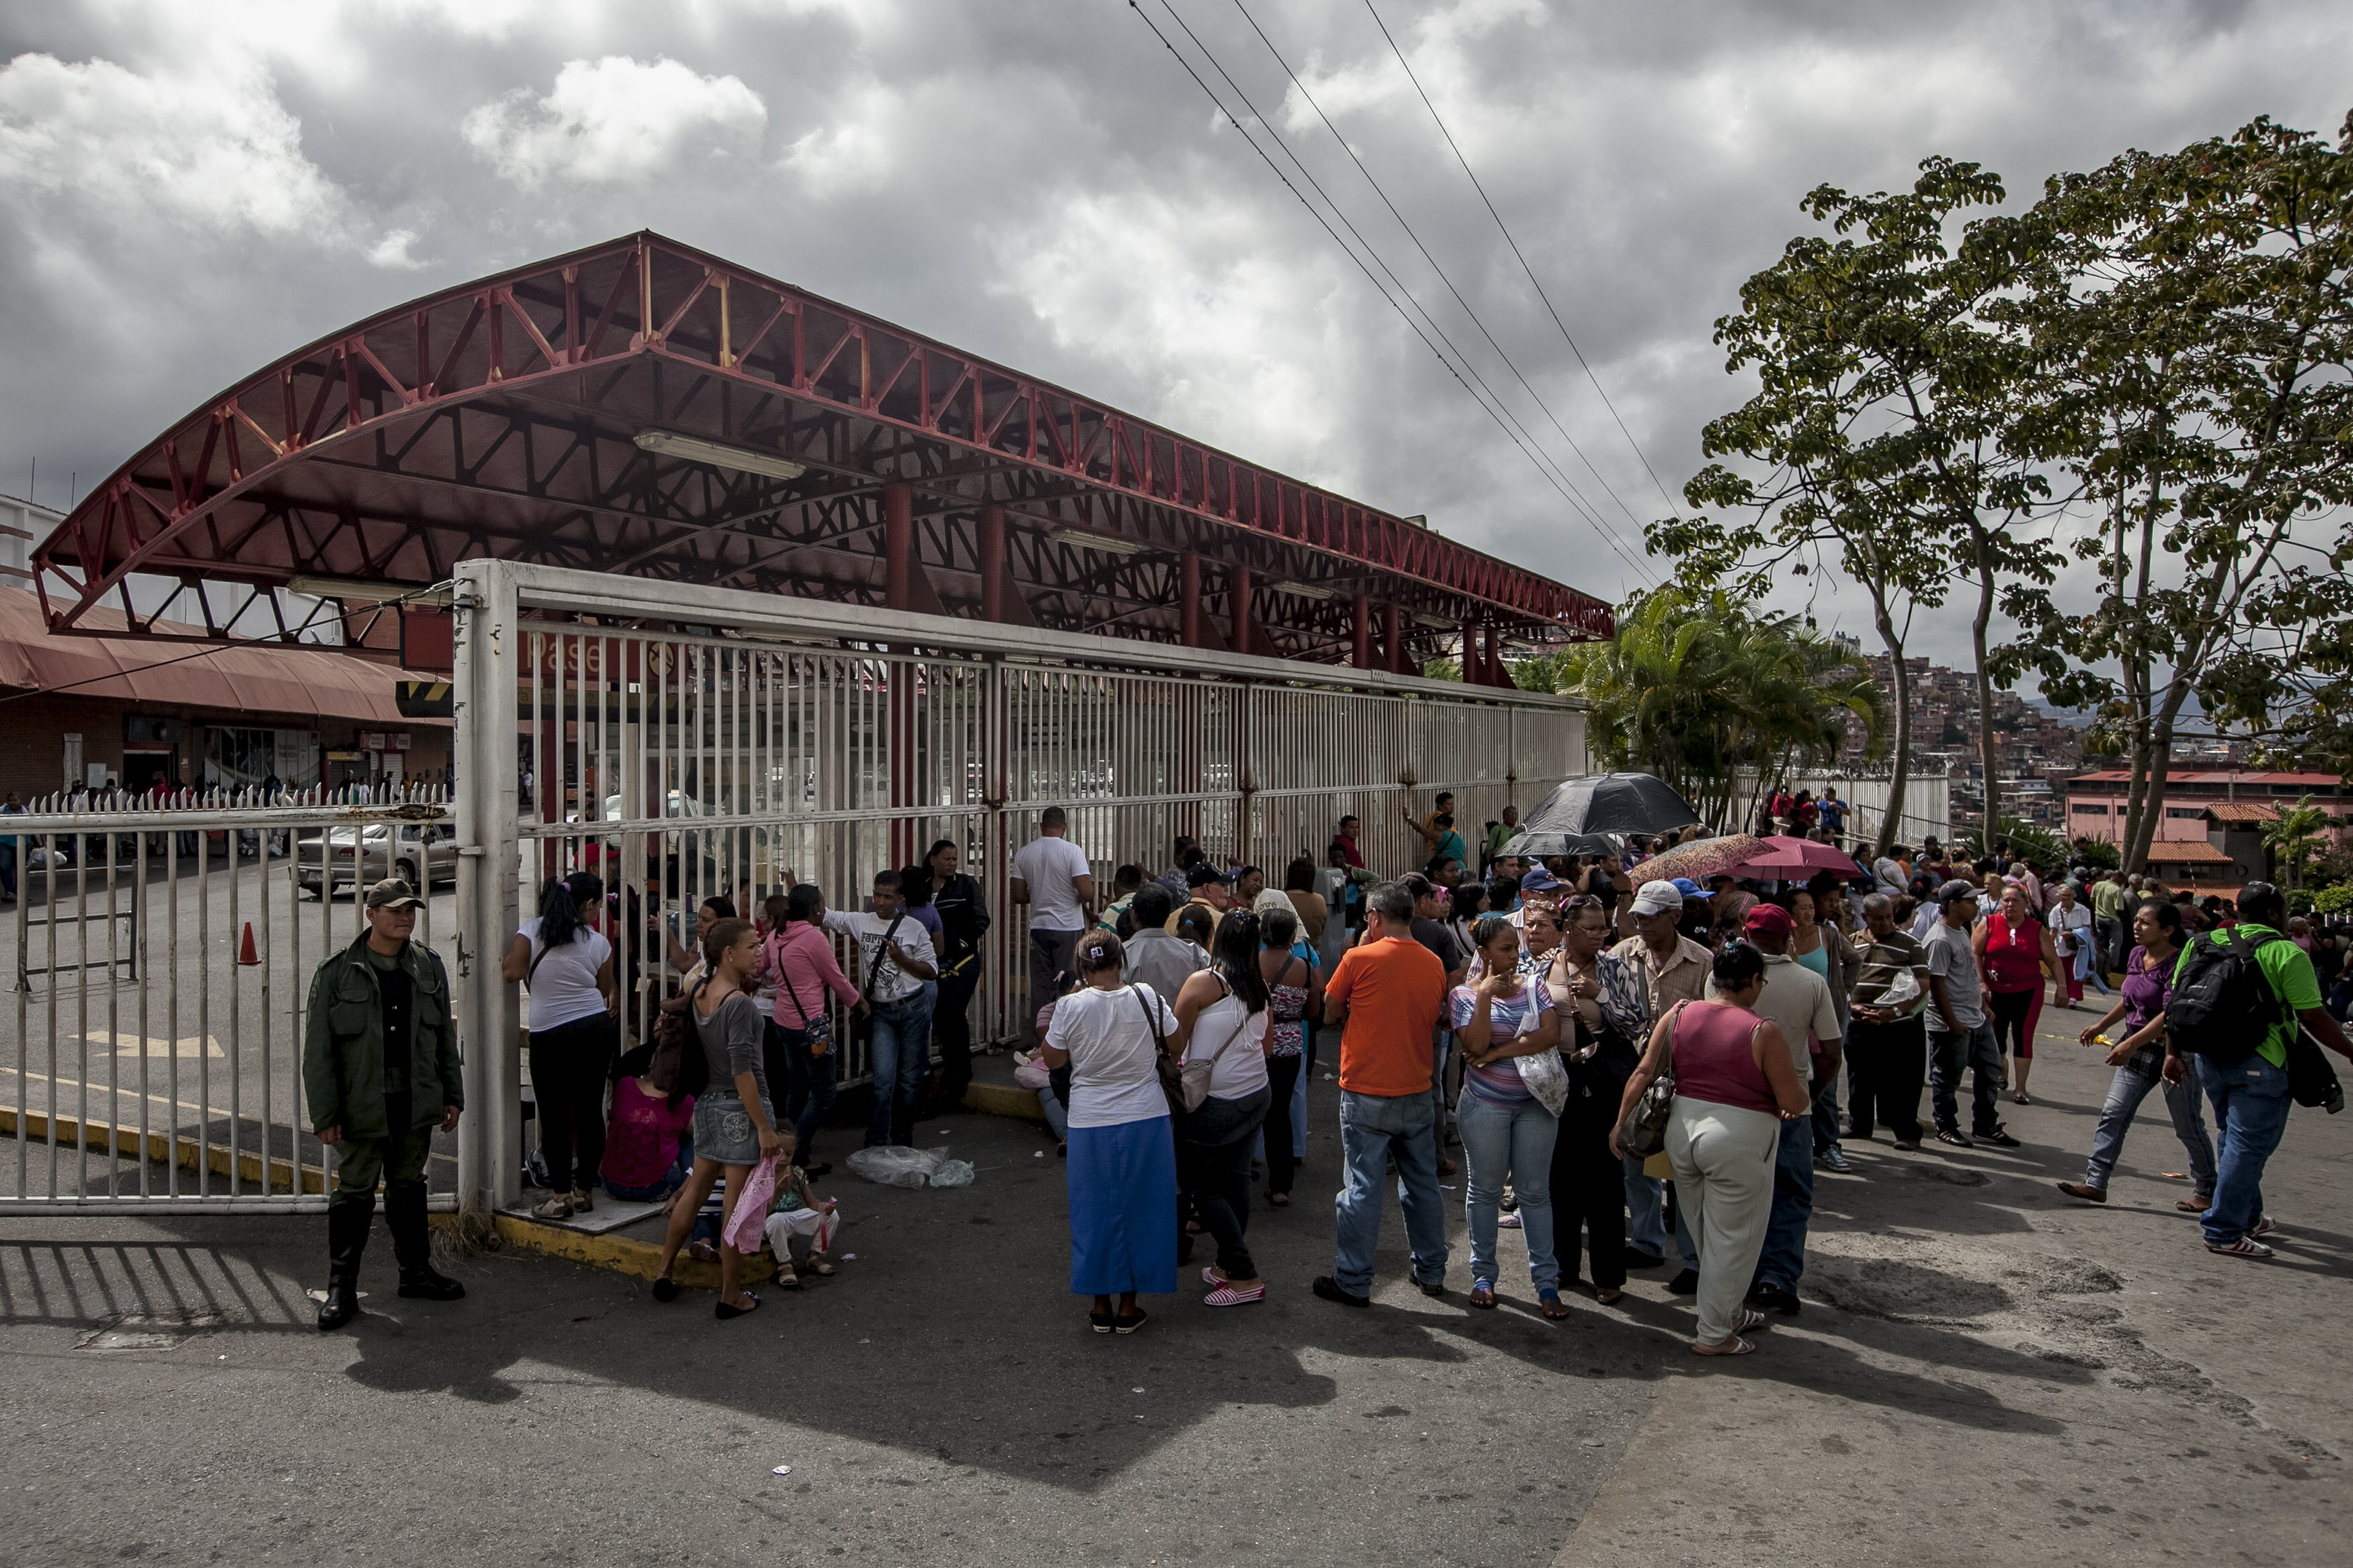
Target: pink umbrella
column 1792, row 859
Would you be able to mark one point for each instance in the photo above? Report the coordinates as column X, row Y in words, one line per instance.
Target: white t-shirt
column 1052, row 867
column 884, row 981
column 564, row 987
column 1240, row 1069
column 1113, row 1079
column 2071, row 925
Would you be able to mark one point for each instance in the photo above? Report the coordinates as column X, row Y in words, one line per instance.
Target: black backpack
column 2222, row 1006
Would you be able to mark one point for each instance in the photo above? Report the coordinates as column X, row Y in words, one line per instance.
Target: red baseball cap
column 1768, row 920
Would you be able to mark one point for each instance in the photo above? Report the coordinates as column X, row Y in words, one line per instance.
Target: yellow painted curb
column 622, row 1255
column 161, row 1148
column 1003, row 1100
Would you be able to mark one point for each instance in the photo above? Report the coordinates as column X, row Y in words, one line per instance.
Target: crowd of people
column 1638, row 1071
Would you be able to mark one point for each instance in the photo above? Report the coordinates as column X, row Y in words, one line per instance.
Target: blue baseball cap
column 1692, row 890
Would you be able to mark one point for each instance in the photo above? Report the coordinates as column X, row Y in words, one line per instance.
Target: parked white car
column 382, row 852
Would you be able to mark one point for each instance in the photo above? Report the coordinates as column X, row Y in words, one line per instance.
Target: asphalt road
column 1983, row 1374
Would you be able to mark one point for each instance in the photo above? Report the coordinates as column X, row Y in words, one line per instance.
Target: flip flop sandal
column 1227, row 1296
column 1483, row 1295
column 817, row 1266
column 723, row 1311
column 1738, row 1347
column 1750, row 1321
column 1549, row 1303
column 1607, row 1297
column 2021, row 1097
column 1280, row 1200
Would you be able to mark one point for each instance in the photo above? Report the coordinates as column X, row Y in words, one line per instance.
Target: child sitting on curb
column 801, row 1225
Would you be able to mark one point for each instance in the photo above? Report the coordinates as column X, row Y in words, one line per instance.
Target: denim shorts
column 724, row 1131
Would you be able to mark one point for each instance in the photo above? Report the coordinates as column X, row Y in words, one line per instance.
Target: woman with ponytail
column 565, row 966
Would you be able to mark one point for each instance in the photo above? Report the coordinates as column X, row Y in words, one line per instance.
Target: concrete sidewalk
column 1984, row 1372
column 1988, row 1371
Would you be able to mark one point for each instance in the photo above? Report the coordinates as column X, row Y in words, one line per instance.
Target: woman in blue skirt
column 1123, row 1171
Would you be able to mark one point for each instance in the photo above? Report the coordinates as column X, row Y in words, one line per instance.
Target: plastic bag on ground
column 896, row 1165
column 953, row 1173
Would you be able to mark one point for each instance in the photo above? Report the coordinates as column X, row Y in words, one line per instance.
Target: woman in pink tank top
column 1735, row 1084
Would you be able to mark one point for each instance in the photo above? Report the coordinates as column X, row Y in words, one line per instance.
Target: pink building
column 2210, row 832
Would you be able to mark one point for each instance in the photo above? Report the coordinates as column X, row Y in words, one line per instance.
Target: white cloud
column 215, row 154
column 392, row 252
column 617, row 120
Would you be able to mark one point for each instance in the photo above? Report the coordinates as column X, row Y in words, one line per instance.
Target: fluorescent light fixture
column 1305, row 590
column 1109, row 544
column 365, row 591
column 718, row 455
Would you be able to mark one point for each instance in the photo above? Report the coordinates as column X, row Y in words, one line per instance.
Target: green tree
column 1886, row 419
column 2295, row 838
column 2192, row 321
column 1716, row 700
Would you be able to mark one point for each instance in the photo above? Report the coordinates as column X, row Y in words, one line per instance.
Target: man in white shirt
column 901, row 985
column 1052, row 875
column 1796, row 1001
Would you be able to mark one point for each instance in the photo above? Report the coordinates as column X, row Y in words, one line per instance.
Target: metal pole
column 489, row 1143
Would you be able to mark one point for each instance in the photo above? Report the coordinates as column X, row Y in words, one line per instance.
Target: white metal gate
column 160, row 953
column 752, row 735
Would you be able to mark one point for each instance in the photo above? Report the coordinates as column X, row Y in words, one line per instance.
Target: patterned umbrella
column 1702, row 859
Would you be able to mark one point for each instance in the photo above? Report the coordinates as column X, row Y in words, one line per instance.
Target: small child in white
column 800, row 1227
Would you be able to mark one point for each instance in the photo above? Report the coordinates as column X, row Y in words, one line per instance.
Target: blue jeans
column 1514, row 1143
column 1646, row 1209
column 1783, row 1261
column 1949, row 1057
column 899, row 1061
column 1374, row 1130
column 2251, row 1106
column 810, row 1082
column 669, row 1183
column 2126, row 1092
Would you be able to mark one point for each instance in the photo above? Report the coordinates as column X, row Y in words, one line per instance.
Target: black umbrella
column 1610, row 803
column 1538, row 846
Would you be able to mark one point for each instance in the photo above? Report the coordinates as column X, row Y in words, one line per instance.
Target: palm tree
column 1707, row 696
column 2295, row 838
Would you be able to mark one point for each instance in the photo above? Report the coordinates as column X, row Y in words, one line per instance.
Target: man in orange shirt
column 1386, row 993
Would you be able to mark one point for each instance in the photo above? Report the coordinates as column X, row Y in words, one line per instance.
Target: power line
column 1514, row 244
column 1484, row 395
column 1501, row 420
column 1442, row 276
column 1568, row 487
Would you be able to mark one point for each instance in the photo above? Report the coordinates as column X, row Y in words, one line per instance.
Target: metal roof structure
column 642, row 407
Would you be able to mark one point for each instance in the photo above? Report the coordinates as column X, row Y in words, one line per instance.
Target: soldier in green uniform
column 380, row 1065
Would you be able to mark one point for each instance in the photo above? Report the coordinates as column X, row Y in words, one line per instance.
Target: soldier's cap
column 393, row 893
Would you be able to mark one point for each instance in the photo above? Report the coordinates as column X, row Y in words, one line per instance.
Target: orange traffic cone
column 244, row 953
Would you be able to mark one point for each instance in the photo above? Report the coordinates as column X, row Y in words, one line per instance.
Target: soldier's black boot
column 349, row 1215
column 412, row 1244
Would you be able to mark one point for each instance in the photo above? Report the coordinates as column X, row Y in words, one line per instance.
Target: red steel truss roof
column 498, row 419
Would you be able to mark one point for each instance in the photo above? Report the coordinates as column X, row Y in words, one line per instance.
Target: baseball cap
column 1657, row 899
column 1203, row 874
column 392, row 893
column 1768, row 920
column 1691, row 890
column 1955, row 889
column 1538, row 880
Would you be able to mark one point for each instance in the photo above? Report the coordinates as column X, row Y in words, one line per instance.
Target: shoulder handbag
column 816, row 1032
column 1643, row 1131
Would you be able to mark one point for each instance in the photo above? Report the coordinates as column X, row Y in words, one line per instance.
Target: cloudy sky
column 188, row 192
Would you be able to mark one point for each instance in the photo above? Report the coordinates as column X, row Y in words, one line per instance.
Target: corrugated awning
column 272, row 681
